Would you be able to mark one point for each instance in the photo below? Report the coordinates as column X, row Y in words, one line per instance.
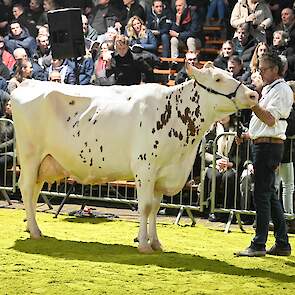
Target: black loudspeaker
column 72, row 3
column 66, row 33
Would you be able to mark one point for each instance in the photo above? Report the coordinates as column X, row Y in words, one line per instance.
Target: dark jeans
column 164, row 39
column 266, row 158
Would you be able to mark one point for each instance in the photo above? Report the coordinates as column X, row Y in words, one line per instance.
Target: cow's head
column 219, row 82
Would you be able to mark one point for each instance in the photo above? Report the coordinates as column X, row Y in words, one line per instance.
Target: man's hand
column 173, row 33
column 244, row 136
column 251, row 17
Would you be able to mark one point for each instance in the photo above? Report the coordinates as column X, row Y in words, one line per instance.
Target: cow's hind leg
column 30, row 190
column 145, row 197
column 154, row 240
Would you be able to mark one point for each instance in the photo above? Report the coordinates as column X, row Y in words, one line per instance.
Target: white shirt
column 277, row 98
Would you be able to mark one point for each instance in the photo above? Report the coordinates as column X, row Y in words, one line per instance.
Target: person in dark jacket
column 288, row 24
column 19, row 37
column 4, row 71
column 25, row 21
column 185, row 28
column 159, row 22
column 182, row 76
column 105, row 15
column 131, row 8
column 85, row 66
column 227, row 50
column 244, row 44
column 125, row 66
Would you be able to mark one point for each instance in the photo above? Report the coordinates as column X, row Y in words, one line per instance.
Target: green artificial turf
column 96, row 256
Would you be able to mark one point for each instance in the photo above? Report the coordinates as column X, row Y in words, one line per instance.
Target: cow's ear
column 209, row 64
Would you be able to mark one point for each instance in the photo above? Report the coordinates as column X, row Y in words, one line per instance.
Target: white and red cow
column 149, row 133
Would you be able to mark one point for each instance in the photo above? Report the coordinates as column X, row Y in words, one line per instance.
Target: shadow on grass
column 87, row 220
column 123, row 254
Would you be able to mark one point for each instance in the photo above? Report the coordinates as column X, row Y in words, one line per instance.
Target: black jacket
column 128, row 69
column 161, row 23
column 190, row 25
column 135, row 9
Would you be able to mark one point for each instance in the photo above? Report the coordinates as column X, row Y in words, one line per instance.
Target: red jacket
column 8, row 59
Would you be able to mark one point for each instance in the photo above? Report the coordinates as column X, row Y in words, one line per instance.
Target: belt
column 268, row 140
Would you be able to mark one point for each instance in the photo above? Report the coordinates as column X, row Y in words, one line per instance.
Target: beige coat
column 263, row 17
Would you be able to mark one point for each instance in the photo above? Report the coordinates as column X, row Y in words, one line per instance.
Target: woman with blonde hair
column 139, row 36
column 260, row 49
column 23, row 71
column 227, row 50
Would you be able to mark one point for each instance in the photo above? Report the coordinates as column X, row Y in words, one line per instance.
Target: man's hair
column 122, row 39
column 273, row 60
column 235, row 59
column 244, row 26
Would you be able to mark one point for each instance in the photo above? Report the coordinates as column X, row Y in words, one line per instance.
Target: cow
column 148, row 133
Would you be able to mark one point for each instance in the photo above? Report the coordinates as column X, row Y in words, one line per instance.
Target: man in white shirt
column 267, row 130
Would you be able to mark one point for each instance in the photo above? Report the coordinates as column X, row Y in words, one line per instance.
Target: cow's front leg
column 145, row 197
column 30, row 191
column 154, row 240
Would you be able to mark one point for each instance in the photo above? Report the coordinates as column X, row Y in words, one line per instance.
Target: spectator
column 126, row 68
column 104, row 60
column 4, row 97
column 89, row 32
column 227, row 50
column 4, row 71
column 66, row 71
column 6, row 140
column 267, row 131
column 23, row 19
column 43, row 31
column 43, row 54
column 260, row 49
column 55, row 76
column 227, row 164
column 6, row 57
column 85, row 68
column 218, row 6
column 110, row 35
column 201, row 6
column 288, row 25
column 139, row 35
column 276, row 6
column 280, row 44
column 182, row 76
column 38, row 73
column 105, row 15
column 132, row 8
column 19, row 38
column 235, row 67
column 244, row 44
column 47, row 5
column 35, row 10
column 6, row 16
column 254, row 12
column 3, row 86
column 185, row 29
column 159, row 22
column 23, row 71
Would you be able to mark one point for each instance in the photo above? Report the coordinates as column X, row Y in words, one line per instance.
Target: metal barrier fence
column 241, row 200
column 191, row 198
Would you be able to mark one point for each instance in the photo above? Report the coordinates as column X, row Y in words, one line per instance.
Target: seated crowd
column 123, row 39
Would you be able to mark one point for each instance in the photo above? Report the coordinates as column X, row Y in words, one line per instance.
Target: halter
column 229, row 96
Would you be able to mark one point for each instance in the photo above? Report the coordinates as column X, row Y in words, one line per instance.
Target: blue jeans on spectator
column 266, row 158
column 218, row 5
column 165, row 41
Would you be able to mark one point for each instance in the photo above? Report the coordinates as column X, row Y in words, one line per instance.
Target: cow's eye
column 217, row 80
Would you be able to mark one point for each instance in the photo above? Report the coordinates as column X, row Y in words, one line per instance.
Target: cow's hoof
column 36, row 235
column 156, row 246
column 145, row 249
